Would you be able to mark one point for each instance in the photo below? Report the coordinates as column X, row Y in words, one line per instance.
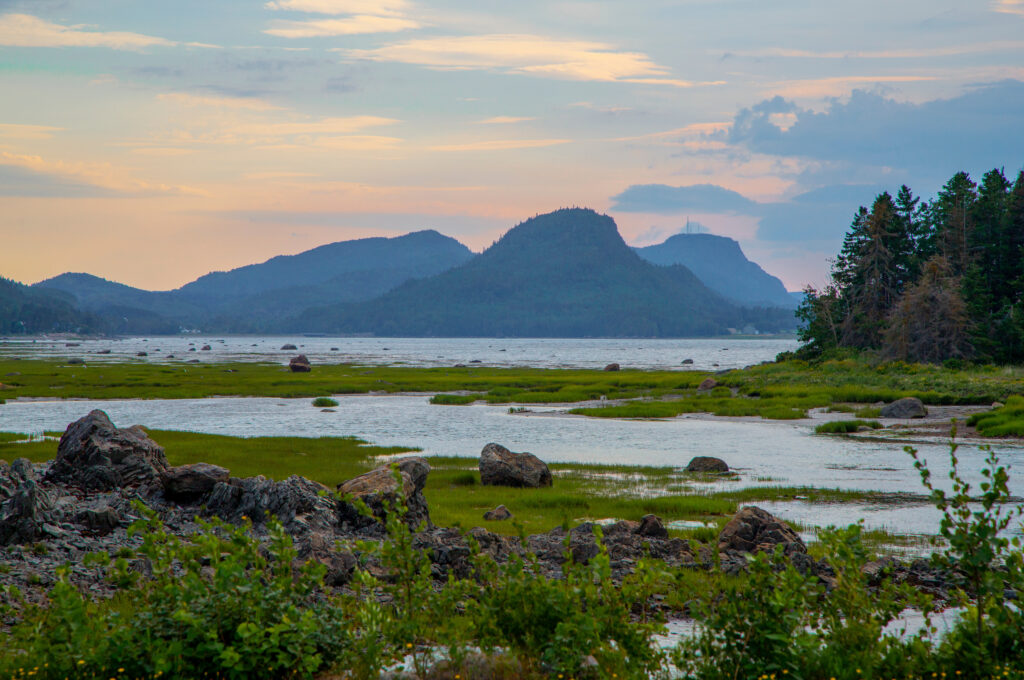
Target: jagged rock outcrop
column 754, row 530
column 300, row 504
column 501, row 467
column 377, row 489
column 95, row 455
column 25, row 515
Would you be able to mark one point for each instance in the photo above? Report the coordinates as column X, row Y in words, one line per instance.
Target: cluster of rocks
column 53, row 514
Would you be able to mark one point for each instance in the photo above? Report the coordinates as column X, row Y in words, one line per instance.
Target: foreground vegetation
column 841, row 380
column 221, row 604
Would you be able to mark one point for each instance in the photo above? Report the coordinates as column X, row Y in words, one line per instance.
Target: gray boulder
column 100, row 521
column 189, row 482
column 95, row 455
column 754, row 530
column 612, row 367
column 288, row 346
column 300, row 364
column 707, row 464
column 708, row 384
column 501, row 467
column 908, row 407
column 498, row 514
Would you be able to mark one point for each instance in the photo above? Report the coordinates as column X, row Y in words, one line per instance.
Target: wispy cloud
column 1009, row 6
column 102, row 175
column 906, row 53
column 504, row 120
column 836, row 86
column 25, row 30
column 353, row 25
column 362, row 17
column 528, row 54
column 18, row 131
column 374, row 7
column 501, row 145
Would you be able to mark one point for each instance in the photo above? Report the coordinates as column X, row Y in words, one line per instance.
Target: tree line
column 928, row 281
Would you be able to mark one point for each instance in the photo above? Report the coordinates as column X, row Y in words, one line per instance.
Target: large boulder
column 190, row 482
column 288, row 346
column 501, row 467
column 707, row 464
column 300, row 364
column 300, row 504
column 754, row 530
column 708, row 384
column 95, row 455
column 378, row 488
column 908, row 407
column 612, row 367
column 498, row 514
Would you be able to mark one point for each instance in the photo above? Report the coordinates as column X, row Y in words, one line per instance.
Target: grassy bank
column 784, row 390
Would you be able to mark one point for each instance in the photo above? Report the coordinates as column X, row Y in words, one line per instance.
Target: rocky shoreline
column 54, row 514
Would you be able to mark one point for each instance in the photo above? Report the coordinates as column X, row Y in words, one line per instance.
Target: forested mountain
column 373, row 264
column 929, row 281
column 720, row 264
column 563, row 274
column 24, row 309
column 249, row 298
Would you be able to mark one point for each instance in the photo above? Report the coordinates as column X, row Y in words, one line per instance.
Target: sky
column 153, row 141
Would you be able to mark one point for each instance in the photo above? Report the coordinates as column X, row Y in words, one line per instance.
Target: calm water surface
column 706, row 353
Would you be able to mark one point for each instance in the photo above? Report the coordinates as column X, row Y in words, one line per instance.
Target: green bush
column 325, row 402
column 455, row 399
column 845, row 426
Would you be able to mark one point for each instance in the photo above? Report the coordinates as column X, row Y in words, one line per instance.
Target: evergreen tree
column 951, row 221
column 873, row 279
column 930, row 323
column 914, row 229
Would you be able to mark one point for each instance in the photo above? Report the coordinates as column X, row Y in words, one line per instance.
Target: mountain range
column 563, row 274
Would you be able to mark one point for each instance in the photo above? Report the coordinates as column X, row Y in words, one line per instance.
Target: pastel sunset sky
column 152, row 141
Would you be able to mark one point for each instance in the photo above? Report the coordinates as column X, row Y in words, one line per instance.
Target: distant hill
column 249, row 298
column 24, row 309
column 720, row 264
column 563, row 274
column 359, row 269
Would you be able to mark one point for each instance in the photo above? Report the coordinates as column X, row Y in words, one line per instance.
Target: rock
column 687, row 362
column 142, row 354
column 499, row 513
column 612, row 367
column 459, row 366
column 334, row 349
column 501, row 467
column 300, row 504
column 300, row 364
column 99, row 521
column 652, row 526
column 191, row 349
column 908, row 407
column 93, row 454
column 75, row 361
column 189, row 482
column 194, row 361
column 708, row 384
column 288, row 346
column 320, row 547
column 377, row 490
column 205, row 348
column 25, row 516
column 103, row 351
column 707, row 464
column 997, row 404
column 754, row 530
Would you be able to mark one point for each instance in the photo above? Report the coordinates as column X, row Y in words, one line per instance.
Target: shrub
column 325, row 402
column 846, row 426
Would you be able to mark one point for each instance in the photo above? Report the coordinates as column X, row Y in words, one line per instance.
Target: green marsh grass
column 1005, row 421
column 846, row 426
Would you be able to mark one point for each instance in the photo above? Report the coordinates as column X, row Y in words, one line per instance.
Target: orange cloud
column 101, row 175
column 529, row 54
column 501, row 145
column 25, row 30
